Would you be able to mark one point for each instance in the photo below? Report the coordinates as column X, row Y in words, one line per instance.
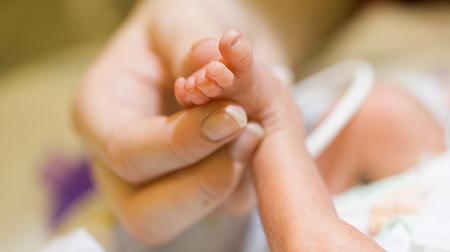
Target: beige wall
column 31, row 28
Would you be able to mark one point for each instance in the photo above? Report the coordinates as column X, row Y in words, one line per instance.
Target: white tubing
column 359, row 74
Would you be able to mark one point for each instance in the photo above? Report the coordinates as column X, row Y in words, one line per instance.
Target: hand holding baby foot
column 145, row 152
column 235, row 76
column 294, row 203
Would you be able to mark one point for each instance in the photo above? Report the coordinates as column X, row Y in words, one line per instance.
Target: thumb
column 150, row 147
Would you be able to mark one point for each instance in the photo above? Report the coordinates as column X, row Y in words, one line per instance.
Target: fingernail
column 224, row 122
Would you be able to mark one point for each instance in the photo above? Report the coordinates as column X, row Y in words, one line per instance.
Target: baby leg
column 391, row 132
column 295, row 205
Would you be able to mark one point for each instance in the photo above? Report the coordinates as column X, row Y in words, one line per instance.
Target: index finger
column 150, row 147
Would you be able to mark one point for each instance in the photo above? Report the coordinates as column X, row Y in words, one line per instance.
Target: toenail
column 238, row 114
column 224, row 123
column 235, row 44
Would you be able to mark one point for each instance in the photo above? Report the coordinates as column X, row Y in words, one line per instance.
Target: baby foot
column 236, row 76
column 281, row 163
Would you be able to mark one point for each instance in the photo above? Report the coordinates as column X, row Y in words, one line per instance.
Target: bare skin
column 378, row 142
column 360, row 153
column 232, row 78
column 295, row 204
column 391, row 132
column 130, row 85
column 126, row 112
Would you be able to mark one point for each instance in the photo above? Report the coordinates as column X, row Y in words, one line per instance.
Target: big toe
column 236, row 51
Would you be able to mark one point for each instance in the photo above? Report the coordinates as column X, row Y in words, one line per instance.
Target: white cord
column 310, row 91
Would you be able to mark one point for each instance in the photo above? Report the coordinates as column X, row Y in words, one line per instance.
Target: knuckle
column 215, row 188
column 107, row 146
column 185, row 150
column 119, row 162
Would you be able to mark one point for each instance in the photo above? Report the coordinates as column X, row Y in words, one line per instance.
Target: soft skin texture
column 391, row 132
column 144, row 152
column 125, row 111
column 295, row 205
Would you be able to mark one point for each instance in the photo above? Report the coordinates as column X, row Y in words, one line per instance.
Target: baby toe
column 220, row 74
column 236, row 50
column 208, row 87
column 194, row 94
column 181, row 93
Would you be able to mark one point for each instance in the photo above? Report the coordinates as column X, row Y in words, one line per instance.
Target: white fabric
column 76, row 241
column 423, row 227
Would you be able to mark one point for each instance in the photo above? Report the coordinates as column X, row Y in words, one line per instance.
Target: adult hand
column 161, row 171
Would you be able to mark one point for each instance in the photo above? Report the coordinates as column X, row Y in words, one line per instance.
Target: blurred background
column 46, row 45
column 31, row 29
column 44, row 48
